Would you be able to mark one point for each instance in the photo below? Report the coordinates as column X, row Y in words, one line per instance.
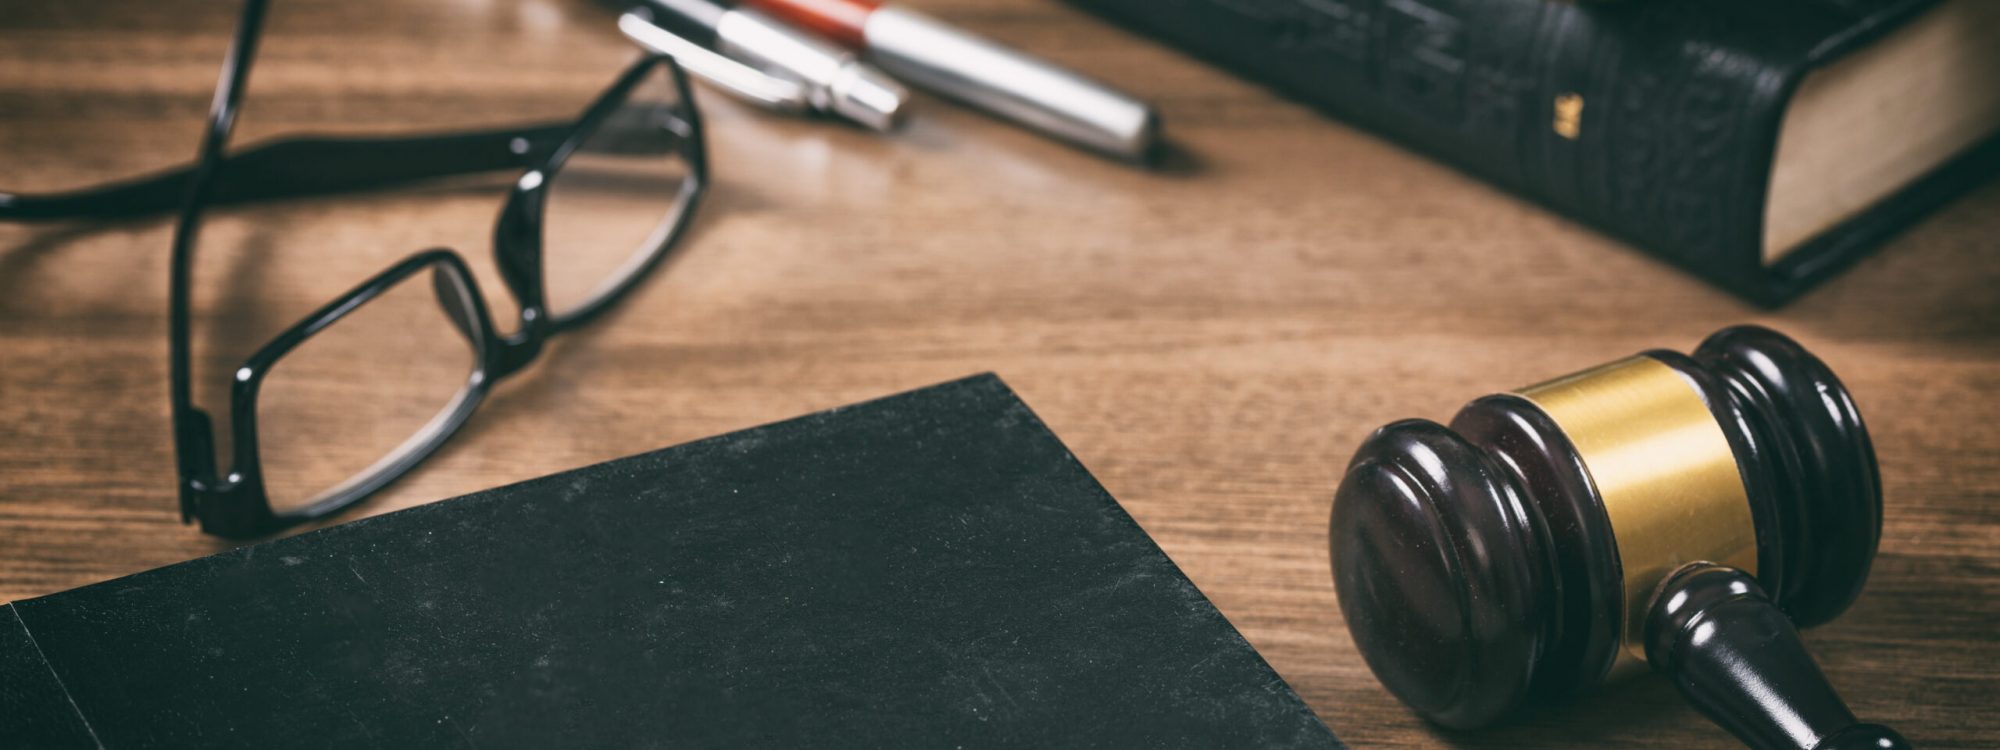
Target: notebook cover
column 928, row 570
column 1653, row 121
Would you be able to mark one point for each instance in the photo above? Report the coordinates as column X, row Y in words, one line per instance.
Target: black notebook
column 928, row 570
column 1762, row 144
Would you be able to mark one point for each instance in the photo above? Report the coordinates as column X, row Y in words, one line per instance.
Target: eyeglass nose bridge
column 516, row 351
column 499, row 357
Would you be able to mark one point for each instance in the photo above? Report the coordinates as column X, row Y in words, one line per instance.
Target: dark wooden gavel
column 1683, row 511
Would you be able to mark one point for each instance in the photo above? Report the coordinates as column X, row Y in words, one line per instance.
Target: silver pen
column 937, row 56
column 766, row 61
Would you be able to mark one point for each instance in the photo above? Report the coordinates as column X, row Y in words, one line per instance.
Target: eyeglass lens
column 613, row 203
column 361, row 394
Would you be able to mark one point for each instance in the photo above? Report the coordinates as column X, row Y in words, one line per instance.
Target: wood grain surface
column 1212, row 340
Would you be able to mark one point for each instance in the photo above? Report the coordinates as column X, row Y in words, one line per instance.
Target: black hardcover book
column 1760, row 144
column 928, row 570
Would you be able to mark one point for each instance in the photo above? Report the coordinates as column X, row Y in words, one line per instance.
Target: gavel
column 1683, row 511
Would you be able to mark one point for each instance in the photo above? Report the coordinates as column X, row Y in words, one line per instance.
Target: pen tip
column 870, row 97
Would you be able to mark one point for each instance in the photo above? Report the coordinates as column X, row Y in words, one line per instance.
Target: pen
column 766, row 61
column 934, row 55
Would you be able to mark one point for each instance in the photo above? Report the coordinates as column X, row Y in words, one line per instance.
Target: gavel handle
column 1739, row 660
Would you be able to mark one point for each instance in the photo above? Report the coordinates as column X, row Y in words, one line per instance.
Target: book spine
column 1655, row 122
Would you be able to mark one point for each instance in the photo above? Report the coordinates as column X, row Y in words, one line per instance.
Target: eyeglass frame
column 236, row 504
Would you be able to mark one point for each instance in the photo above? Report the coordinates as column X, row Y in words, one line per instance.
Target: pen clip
column 739, row 79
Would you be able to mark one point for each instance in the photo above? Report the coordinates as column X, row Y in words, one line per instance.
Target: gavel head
column 1511, row 558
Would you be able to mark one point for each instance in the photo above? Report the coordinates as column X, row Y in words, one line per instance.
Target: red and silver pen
column 934, row 55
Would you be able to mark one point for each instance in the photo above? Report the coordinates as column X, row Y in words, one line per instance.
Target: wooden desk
column 1212, row 343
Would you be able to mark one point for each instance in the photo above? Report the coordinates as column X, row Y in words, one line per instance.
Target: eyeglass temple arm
column 294, row 167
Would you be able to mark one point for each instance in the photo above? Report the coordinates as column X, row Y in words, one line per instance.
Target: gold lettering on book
column 1569, row 115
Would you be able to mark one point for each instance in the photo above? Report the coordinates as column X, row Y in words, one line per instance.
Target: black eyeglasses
column 647, row 118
